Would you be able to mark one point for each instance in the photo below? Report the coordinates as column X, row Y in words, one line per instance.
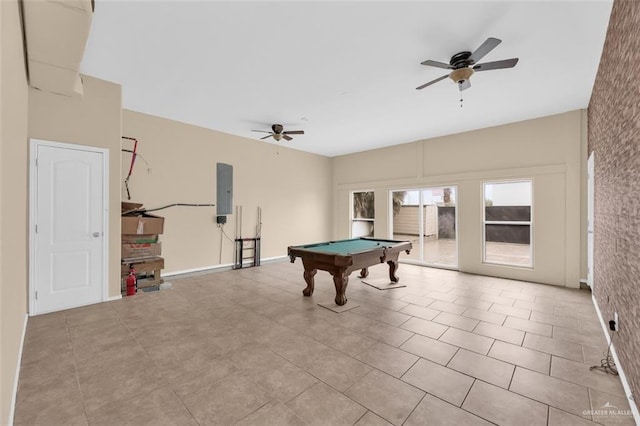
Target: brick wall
column 614, row 135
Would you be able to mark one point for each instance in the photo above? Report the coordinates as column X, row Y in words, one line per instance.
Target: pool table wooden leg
column 364, row 273
column 308, row 278
column 340, row 280
column 393, row 267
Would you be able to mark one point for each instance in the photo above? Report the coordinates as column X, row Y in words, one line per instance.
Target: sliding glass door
column 427, row 218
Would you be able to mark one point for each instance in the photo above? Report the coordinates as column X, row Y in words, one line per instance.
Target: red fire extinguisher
column 132, row 282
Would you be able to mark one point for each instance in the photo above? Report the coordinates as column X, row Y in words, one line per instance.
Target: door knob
column 96, row 234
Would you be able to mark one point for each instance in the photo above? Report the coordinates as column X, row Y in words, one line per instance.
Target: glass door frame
column 421, row 240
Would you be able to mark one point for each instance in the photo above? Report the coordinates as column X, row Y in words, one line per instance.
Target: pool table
column 340, row 258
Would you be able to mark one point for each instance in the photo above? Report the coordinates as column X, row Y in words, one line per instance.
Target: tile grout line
column 417, row 405
column 398, row 327
column 75, row 370
column 167, row 384
column 468, row 392
column 548, row 414
column 542, row 402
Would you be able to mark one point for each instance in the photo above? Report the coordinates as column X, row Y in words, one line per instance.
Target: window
column 507, row 223
column 363, row 214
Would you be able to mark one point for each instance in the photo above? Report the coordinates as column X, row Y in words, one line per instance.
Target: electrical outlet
column 617, row 321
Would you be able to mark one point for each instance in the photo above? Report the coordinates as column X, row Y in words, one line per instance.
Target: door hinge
column 36, row 228
column 36, row 295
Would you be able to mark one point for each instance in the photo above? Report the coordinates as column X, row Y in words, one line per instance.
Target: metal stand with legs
column 247, row 254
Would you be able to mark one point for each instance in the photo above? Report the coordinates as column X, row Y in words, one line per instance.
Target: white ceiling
column 345, row 72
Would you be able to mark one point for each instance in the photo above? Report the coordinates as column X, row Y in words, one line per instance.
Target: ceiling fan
column 464, row 64
column 277, row 133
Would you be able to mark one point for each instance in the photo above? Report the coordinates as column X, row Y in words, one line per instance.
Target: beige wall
column 547, row 150
column 292, row 187
column 93, row 120
column 13, row 199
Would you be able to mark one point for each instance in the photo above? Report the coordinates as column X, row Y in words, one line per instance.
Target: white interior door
column 590, row 215
column 68, row 230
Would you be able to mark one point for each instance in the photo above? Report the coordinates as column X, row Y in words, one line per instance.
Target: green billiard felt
column 344, row 247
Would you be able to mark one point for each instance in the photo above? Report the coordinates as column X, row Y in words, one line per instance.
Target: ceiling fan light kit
column 460, row 75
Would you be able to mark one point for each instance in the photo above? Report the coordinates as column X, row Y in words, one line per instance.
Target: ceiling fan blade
column 432, row 82
column 261, row 131
column 464, row 85
column 436, row 64
column 268, row 136
column 287, row 138
column 484, row 48
column 293, row 132
column 496, row 65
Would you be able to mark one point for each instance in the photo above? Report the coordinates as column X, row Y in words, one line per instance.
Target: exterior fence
column 440, row 222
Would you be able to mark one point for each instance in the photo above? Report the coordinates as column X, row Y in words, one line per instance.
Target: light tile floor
column 245, row 347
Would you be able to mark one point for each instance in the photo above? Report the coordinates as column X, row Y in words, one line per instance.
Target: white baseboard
column 196, row 270
column 12, row 409
column 217, row 268
column 623, row 378
column 418, row 263
column 274, row 259
column 112, row 298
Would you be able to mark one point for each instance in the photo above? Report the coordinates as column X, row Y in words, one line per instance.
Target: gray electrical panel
column 224, row 186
